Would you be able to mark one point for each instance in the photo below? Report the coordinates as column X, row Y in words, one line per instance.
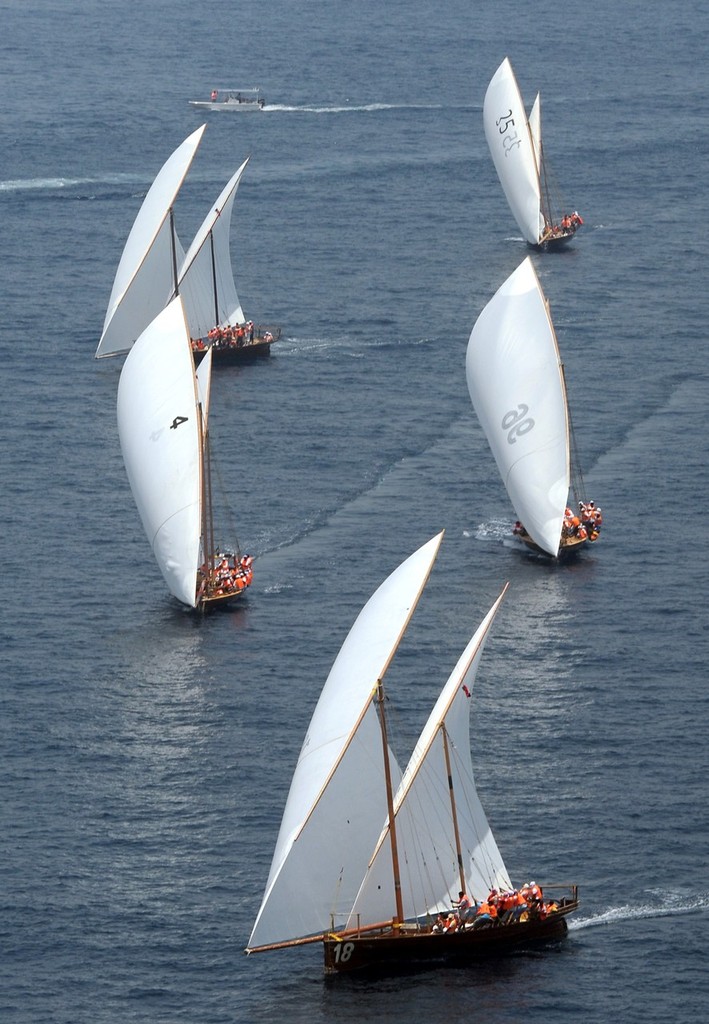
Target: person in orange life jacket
column 485, row 914
column 465, row 907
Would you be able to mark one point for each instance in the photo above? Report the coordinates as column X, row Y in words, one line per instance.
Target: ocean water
column 146, row 754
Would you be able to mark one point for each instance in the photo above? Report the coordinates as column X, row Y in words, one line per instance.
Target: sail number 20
column 516, row 423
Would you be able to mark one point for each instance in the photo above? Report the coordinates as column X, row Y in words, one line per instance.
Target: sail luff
column 144, row 280
column 534, row 122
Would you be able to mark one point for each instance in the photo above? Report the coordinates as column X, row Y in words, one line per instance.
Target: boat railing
column 564, row 893
column 261, row 330
column 359, row 929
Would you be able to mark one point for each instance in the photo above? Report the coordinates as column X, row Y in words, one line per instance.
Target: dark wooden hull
column 570, row 546
column 403, row 951
column 220, row 600
column 555, row 242
column 233, row 354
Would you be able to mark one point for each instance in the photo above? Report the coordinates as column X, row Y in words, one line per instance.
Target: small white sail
column 510, row 141
column 337, row 801
column 535, row 130
column 205, row 278
column 516, row 385
column 160, row 440
column 204, row 386
column 145, row 279
column 425, row 813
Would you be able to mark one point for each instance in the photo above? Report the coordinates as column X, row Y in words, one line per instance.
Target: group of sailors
column 231, row 575
column 570, row 222
column 229, row 337
column 498, row 908
column 585, row 524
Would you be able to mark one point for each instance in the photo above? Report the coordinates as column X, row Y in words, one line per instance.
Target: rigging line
column 483, row 859
column 422, row 803
column 225, row 510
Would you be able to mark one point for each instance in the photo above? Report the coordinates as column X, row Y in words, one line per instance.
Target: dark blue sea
column 146, row 753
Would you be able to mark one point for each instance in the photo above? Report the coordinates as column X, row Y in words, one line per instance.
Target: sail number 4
column 177, row 421
column 516, row 423
column 343, row 951
column 511, row 140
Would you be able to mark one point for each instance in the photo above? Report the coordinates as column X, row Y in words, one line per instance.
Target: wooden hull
column 230, row 355
column 555, row 242
column 242, row 353
column 570, row 546
column 220, row 600
column 403, row 951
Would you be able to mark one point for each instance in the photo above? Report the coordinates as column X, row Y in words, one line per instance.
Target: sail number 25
column 511, row 140
column 516, row 423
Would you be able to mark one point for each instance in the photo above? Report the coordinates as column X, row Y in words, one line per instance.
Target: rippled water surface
column 146, row 754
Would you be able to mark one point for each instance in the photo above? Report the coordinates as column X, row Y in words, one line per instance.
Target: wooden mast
column 207, row 521
column 214, row 280
column 454, row 812
column 173, row 250
column 390, row 809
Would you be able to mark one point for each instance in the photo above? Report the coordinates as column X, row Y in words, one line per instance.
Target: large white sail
column 145, row 279
column 337, row 801
column 160, row 440
column 205, row 278
column 426, row 814
column 516, row 385
column 510, row 141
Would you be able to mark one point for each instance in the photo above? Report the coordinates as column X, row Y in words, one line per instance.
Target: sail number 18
column 343, row 951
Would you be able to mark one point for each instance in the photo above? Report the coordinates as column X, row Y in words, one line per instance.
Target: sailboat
column 206, row 282
column 154, row 268
column 163, row 411
column 515, row 143
column 516, row 382
column 367, row 857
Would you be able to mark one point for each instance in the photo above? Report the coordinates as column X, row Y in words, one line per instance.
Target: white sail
column 337, row 801
column 160, row 440
column 205, row 278
column 510, row 141
column 145, row 279
column 204, row 386
column 424, row 813
column 535, row 130
column 516, row 385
